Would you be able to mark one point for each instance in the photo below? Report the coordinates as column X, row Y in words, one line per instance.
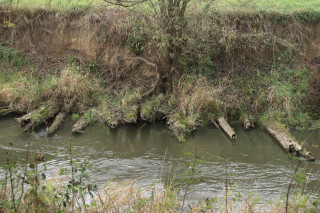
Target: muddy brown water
column 152, row 155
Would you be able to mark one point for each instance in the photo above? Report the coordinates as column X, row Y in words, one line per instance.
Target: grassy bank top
column 265, row 5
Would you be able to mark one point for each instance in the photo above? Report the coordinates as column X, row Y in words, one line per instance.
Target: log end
column 306, row 154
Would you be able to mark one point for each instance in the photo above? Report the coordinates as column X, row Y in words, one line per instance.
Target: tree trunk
column 286, row 140
column 226, row 127
column 56, row 123
column 38, row 116
column 80, row 125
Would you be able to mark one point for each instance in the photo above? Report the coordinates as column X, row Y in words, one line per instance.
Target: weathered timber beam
column 286, row 140
column 226, row 127
column 80, row 125
column 56, row 123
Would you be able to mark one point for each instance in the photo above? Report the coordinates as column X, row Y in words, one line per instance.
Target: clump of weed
column 11, row 56
column 76, row 90
column 154, row 108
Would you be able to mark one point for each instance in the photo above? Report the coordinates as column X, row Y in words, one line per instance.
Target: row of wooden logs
column 39, row 116
column 47, row 111
column 278, row 131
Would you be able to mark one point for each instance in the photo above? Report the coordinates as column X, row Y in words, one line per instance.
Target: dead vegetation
column 107, row 61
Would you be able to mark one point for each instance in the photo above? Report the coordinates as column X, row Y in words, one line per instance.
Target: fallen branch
column 56, row 123
column 226, row 127
column 286, row 140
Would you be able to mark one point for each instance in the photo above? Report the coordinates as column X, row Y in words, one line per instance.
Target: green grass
column 275, row 5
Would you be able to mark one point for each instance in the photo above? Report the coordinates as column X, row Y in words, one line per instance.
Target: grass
column 273, row 5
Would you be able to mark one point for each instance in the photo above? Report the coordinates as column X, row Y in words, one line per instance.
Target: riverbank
column 102, row 65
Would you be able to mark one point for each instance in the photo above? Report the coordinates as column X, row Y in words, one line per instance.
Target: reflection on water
column 150, row 154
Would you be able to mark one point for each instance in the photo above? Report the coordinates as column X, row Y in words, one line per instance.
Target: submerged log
column 38, row 116
column 286, row 140
column 248, row 124
column 226, row 127
column 80, row 125
column 56, row 123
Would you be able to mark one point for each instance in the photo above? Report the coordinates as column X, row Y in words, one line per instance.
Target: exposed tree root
column 80, row 125
column 286, row 140
column 226, row 127
column 153, row 65
column 39, row 116
column 56, row 123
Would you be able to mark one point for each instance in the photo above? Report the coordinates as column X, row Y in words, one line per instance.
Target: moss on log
column 181, row 126
column 38, row 116
column 80, row 125
column 56, row 123
column 286, row 140
column 154, row 109
column 5, row 111
column 226, row 127
column 131, row 115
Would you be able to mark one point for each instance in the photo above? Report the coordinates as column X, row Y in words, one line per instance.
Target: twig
column 191, row 178
column 72, row 176
column 290, row 184
column 226, row 184
column 11, row 184
column 25, row 171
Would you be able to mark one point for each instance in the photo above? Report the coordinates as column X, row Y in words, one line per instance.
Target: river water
column 149, row 154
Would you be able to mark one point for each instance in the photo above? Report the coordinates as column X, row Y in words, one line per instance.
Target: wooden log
column 286, row 140
column 5, row 111
column 56, row 123
column 226, row 127
column 215, row 124
column 38, row 116
column 80, row 125
column 248, row 124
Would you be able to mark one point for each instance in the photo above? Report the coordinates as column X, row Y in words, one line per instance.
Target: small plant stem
column 25, row 171
column 36, row 182
column 290, row 184
column 3, row 190
column 11, row 184
column 72, row 176
column 226, row 184
column 191, row 178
